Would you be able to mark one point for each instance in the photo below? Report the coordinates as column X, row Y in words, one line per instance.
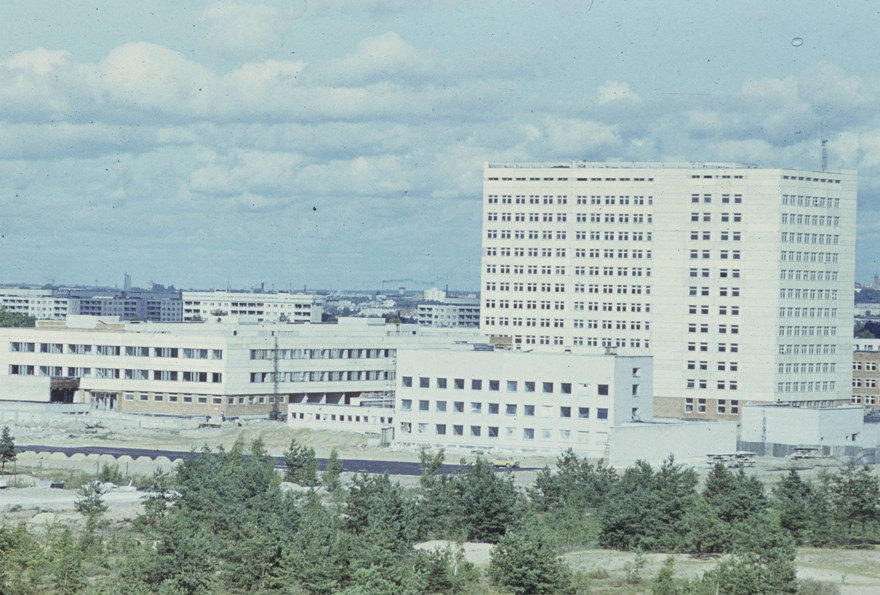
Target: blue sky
column 334, row 143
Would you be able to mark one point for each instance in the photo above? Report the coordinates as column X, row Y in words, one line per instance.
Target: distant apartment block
column 218, row 306
column 450, row 313
column 737, row 279
column 57, row 304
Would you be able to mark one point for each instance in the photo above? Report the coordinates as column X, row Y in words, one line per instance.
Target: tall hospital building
column 738, row 280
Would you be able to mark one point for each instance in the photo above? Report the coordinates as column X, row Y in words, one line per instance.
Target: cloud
column 613, row 91
column 243, row 30
column 387, row 56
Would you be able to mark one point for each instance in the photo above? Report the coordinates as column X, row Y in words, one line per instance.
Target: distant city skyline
column 338, row 143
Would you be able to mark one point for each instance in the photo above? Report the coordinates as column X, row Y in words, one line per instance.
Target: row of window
column 725, row 198
column 722, row 328
column 807, row 349
column 704, row 365
column 701, row 406
column 864, row 383
column 805, row 387
column 561, row 252
column 610, row 342
column 866, row 366
column 723, row 273
column 808, row 294
column 808, row 368
column 809, row 238
column 792, row 275
column 331, row 376
column 722, row 310
column 547, row 199
column 723, row 254
column 724, row 235
column 115, row 373
column 793, row 219
column 580, row 288
column 493, row 432
column 621, row 325
column 696, row 383
column 826, row 257
column 510, row 409
column 810, row 201
column 202, row 400
column 865, row 399
column 560, row 305
column 563, row 217
column 519, row 234
column 505, row 269
column 725, row 217
column 722, row 347
column 128, row 351
column 511, row 386
column 722, row 291
column 807, row 331
column 269, row 354
column 545, row 179
column 808, row 312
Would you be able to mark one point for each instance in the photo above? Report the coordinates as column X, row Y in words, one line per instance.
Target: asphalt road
column 351, row 465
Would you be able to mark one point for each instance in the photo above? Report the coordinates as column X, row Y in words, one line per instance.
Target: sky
column 341, row 143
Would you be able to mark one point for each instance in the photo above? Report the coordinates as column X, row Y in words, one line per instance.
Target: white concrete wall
column 24, row 388
column 688, row 442
column 339, row 417
column 802, row 425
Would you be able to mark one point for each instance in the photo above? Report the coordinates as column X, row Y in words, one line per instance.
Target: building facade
column 866, row 375
column 467, row 398
column 201, row 369
column 57, row 304
column 737, row 279
column 450, row 313
column 221, row 305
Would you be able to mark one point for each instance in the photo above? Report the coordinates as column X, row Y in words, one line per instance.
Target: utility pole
column 276, row 396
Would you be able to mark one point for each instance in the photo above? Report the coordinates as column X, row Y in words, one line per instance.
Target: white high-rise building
column 738, row 280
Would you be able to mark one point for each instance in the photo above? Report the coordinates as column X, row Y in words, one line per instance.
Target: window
column 440, row 429
column 529, row 410
column 458, row 406
column 441, row 383
column 476, row 385
column 603, row 389
column 441, row 406
column 511, row 386
column 601, row 413
column 510, row 409
column 583, row 412
column 406, row 405
column 424, row 382
column 458, row 383
column 423, row 405
column 493, row 408
column 548, row 387
column 407, row 381
column 494, row 385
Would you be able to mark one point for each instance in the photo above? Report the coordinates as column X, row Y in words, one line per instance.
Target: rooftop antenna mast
column 824, row 149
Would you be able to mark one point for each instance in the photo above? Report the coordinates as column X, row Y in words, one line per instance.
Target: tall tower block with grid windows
column 737, row 279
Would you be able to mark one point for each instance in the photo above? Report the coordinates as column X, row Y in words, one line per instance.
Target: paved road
column 356, row 465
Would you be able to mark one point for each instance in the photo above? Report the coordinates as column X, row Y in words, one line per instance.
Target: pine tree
column 331, row 474
column 524, row 562
column 7, row 449
column 301, row 465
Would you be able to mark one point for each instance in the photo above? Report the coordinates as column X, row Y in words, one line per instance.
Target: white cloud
column 387, row 56
column 243, row 30
column 614, row 91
